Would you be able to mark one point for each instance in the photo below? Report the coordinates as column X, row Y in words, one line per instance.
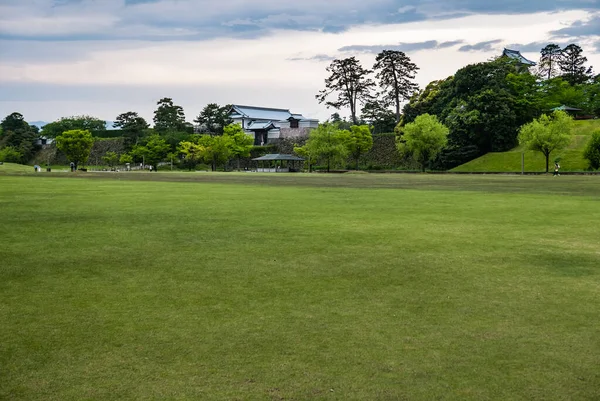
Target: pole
column 522, row 163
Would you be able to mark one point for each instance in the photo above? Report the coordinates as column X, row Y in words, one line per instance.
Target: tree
column 547, row 134
column 592, row 151
column 84, row 123
column 192, row 153
column 14, row 122
column 378, row 116
column 326, row 143
column 217, row 149
column 241, row 143
column 153, row 152
column 126, row 158
column 76, row 145
column 424, row 139
column 168, row 117
column 395, row 73
column 11, row 154
column 572, row 65
column 132, row 125
column 111, row 158
column 551, row 55
column 359, row 141
column 349, row 80
column 213, row 119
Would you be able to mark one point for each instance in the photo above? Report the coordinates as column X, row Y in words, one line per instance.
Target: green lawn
column 294, row 287
column 571, row 158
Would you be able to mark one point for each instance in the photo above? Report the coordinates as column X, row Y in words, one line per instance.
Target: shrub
column 10, row 154
column 592, row 151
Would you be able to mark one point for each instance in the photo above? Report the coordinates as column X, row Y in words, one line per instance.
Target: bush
column 592, row 151
column 11, row 155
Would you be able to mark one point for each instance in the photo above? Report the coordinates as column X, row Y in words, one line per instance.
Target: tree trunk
column 547, row 161
column 357, row 160
column 423, row 166
column 238, row 163
column 328, row 163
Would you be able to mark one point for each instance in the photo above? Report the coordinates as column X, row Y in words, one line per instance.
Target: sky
column 104, row 57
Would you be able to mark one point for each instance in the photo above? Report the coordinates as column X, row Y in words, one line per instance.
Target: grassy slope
column 124, row 289
column 11, row 168
column 571, row 159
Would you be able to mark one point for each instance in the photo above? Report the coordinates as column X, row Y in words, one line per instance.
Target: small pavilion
column 570, row 110
column 278, row 163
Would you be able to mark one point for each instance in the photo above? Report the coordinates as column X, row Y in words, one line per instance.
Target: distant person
column 556, row 169
column 72, row 166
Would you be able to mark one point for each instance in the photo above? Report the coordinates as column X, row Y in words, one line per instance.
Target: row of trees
column 568, row 63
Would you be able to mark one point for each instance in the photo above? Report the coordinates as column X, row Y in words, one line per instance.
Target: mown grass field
column 571, row 159
column 294, row 287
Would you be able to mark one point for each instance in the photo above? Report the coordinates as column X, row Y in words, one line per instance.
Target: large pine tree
column 551, row 56
column 572, row 65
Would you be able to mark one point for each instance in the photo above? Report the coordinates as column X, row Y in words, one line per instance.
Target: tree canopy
column 213, row 119
column 169, row 117
column 76, row 145
column 326, row 143
column 395, row 74
column 358, row 141
column 350, row 82
column 592, row 151
column 547, row 134
column 424, row 139
column 84, row 123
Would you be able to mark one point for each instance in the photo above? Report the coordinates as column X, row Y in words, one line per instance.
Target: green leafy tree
column 217, row 149
column 378, row 116
column 76, row 145
column 350, row 82
column 424, row 139
column 10, row 154
column 592, row 151
column 548, row 66
column 84, row 123
column 241, row 143
column 547, row 134
column 396, row 74
column 132, row 125
column 192, row 154
column 111, row 158
column 213, row 119
column 14, row 122
column 572, row 65
column 169, row 117
column 19, row 136
column 326, row 143
column 153, row 152
column 126, row 158
column 359, row 141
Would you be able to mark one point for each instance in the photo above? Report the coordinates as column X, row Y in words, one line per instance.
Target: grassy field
column 294, row 287
column 571, row 158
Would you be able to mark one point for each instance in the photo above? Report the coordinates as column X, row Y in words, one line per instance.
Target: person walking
column 556, row 169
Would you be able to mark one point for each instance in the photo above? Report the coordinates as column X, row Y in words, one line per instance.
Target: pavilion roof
column 566, row 108
column 278, row 156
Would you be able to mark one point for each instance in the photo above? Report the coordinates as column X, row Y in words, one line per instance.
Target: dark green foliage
column 84, row 123
column 132, row 127
column 213, row 119
column 551, row 55
column 592, row 151
column 20, row 137
column 572, row 65
column 169, row 117
column 395, row 75
column 350, row 82
column 380, row 118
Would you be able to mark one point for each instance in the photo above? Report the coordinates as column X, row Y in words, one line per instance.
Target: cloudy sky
column 104, row 57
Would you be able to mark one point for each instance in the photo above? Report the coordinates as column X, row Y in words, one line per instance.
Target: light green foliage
column 126, row 158
column 424, row 139
column 111, row 158
column 76, row 145
column 10, row 154
column 359, row 141
column 592, row 151
column 217, row 149
column 547, row 134
column 299, row 287
column 192, row 153
column 85, row 123
column 153, row 152
column 241, row 143
column 325, row 144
